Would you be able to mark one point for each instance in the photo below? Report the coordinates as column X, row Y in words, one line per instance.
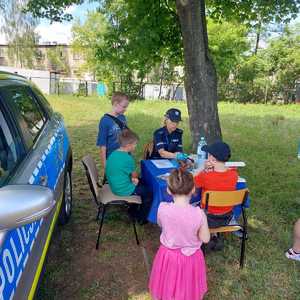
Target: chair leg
column 100, row 227
column 243, row 248
column 98, row 213
column 135, row 232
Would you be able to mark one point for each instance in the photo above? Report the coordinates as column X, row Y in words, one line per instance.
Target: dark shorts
column 145, row 193
column 218, row 220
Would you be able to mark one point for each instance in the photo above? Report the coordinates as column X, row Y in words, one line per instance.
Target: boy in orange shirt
column 217, row 177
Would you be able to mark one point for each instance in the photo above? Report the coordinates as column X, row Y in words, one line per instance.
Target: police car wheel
column 66, row 206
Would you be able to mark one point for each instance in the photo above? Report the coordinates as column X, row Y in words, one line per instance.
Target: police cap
column 173, row 114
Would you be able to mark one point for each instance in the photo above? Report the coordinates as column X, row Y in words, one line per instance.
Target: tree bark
column 200, row 73
column 161, row 79
column 175, row 91
column 141, row 86
column 258, row 32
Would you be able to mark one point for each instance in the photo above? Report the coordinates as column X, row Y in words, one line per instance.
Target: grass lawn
column 263, row 136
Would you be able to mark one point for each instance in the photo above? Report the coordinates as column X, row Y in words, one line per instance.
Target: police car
column 35, row 183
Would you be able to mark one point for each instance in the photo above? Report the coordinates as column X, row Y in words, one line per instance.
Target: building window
column 39, row 55
column 76, row 56
column 76, row 72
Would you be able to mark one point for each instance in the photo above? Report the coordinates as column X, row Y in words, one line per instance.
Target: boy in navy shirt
column 110, row 126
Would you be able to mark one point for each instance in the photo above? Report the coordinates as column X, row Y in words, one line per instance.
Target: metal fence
column 71, row 86
column 150, row 90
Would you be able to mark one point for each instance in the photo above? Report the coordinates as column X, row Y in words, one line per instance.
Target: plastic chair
column 104, row 197
column 229, row 198
column 148, row 149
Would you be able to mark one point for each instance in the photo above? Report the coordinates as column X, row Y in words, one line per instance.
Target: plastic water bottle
column 299, row 151
column 201, row 155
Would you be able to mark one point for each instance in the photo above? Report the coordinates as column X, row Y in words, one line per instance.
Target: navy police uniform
column 171, row 142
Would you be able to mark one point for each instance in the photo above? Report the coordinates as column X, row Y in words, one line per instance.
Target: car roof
column 12, row 76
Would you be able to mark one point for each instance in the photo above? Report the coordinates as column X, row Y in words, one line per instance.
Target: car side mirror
column 24, row 204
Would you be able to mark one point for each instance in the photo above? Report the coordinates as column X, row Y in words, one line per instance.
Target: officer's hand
column 181, row 156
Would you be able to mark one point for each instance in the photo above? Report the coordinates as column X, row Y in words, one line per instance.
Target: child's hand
column 203, row 231
column 135, row 181
column 208, row 167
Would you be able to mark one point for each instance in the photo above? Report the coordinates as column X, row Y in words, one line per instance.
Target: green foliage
column 228, row 43
column 118, row 50
column 18, row 28
column 137, row 38
column 22, row 50
column 87, row 39
column 57, row 59
column 283, row 56
column 53, row 10
column 248, row 11
column 272, row 73
column 254, row 12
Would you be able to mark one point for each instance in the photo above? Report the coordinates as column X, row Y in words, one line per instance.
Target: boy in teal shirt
column 119, row 167
column 120, row 171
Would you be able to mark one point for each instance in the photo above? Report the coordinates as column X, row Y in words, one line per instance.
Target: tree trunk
column 258, row 32
column 200, row 73
column 161, row 79
column 175, row 91
column 141, row 87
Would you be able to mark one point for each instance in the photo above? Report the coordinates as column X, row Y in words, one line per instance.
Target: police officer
column 167, row 141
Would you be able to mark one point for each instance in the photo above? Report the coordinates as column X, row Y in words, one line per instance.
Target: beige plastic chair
column 104, row 197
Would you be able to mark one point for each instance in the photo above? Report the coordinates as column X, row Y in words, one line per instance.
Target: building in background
column 52, row 57
column 56, row 69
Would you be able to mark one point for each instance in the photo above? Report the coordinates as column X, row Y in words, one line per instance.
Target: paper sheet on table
column 241, row 179
column 231, row 164
column 162, row 163
column 164, row 176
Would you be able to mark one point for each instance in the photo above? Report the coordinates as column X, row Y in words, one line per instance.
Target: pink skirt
column 175, row 276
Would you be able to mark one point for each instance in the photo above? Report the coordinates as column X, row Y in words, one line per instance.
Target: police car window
column 8, row 151
column 42, row 99
column 30, row 115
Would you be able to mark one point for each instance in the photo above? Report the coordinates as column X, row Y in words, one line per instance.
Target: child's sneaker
column 292, row 254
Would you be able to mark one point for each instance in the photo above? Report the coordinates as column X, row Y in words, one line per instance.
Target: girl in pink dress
column 178, row 271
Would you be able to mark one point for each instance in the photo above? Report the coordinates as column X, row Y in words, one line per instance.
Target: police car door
column 23, row 250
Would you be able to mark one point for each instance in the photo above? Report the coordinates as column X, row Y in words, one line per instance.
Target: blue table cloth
column 159, row 188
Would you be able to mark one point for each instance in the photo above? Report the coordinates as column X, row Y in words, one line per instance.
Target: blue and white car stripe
column 15, row 251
